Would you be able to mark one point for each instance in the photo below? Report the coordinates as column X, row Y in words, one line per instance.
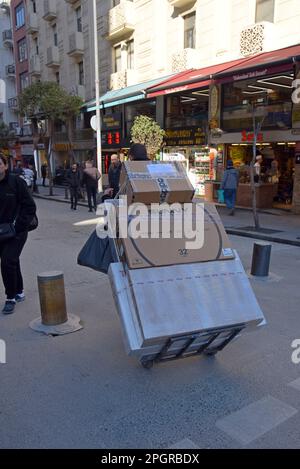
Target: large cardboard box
column 148, row 252
column 155, row 182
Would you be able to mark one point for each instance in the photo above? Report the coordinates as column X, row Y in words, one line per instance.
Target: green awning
column 124, row 95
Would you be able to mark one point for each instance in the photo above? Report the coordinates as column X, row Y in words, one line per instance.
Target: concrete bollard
column 52, row 298
column 261, row 260
column 54, row 319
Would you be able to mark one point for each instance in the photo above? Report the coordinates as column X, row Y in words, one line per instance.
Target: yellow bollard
column 52, row 298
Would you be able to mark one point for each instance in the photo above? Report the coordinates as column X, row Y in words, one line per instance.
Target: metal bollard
column 261, row 260
column 66, row 193
column 52, row 298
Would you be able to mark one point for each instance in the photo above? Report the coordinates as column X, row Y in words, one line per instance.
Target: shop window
column 147, row 108
column 188, row 110
column 264, row 11
column 190, row 30
column 271, row 97
column 24, row 81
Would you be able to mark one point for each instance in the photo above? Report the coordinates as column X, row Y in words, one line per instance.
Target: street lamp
column 97, row 89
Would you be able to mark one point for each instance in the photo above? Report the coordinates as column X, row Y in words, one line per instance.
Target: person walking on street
column 90, row 180
column 114, row 173
column 18, row 170
column 17, row 208
column 138, row 152
column 44, row 173
column 73, row 180
column 230, row 184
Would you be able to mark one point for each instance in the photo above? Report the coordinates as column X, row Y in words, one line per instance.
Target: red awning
column 265, row 63
column 190, row 79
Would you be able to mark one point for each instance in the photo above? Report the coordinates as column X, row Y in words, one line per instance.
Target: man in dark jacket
column 73, row 180
column 114, row 175
column 16, row 207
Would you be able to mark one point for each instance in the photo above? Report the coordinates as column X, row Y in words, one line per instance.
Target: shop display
column 203, row 170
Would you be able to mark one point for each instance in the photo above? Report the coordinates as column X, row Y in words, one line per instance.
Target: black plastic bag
column 96, row 254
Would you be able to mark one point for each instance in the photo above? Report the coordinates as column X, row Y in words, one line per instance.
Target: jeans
column 10, row 252
column 230, row 197
column 91, row 194
column 74, row 196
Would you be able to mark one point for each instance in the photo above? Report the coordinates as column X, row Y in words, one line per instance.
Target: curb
column 54, row 199
column 256, row 235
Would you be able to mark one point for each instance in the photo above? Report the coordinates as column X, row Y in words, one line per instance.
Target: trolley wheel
column 211, row 353
column 148, row 364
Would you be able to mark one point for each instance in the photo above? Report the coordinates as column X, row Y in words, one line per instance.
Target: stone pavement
column 279, row 226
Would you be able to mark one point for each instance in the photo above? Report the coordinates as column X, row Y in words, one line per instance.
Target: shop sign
column 185, row 137
column 249, row 136
column 246, row 76
column 112, row 121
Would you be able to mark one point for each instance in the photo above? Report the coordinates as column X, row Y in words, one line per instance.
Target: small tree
column 48, row 102
column 146, row 130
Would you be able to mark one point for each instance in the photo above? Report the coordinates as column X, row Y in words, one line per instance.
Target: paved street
column 82, row 391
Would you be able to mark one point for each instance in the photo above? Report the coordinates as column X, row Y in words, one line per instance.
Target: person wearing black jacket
column 114, row 173
column 16, row 206
column 73, row 180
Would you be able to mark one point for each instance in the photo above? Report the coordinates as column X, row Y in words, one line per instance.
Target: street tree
column 146, row 130
column 46, row 103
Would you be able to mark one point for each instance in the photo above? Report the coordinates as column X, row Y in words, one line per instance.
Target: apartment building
column 7, row 68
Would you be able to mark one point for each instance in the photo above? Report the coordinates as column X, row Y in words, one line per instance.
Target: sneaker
column 20, row 297
column 9, row 307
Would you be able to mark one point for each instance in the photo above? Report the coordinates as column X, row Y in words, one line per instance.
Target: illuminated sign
column 185, row 137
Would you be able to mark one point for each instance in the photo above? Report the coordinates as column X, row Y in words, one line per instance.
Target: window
column 189, row 30
column 265, row 10
column 117, row 59
column 130, row 55
column 57, row 78
column 33, row 6
column 36, row 46
column 55, row 40
column 22, row 50
column 81, row 73
column 78, row 19
column 24, row 81
column 20, row 15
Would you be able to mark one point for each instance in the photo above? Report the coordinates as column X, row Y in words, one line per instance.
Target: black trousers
column 91, row 194
column 10, row 252
column 74, row 196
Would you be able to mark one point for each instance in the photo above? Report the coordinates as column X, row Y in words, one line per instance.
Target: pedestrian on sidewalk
column 138, row 152
column 73, row 179
column 114, row 173
column 44, row 173
column 230, row 184
column 90, row 180
column 17, row 208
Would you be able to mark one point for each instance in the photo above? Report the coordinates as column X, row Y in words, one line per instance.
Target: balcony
column 76, row 45
column 32, row 23
column 121, row 20
column 123, row 79
column 257, row 38
column 10, row 71
column 35, row 66
column 53, row 57
column 4, row 6
column 181, row 3
column 50, row 10
column 13, row 104
column 185, row 60
column 7, row 38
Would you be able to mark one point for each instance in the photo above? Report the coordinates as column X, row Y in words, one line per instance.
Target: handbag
column 96, row 254
column 221, row 199
column 7, row 231
column 33, row 224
